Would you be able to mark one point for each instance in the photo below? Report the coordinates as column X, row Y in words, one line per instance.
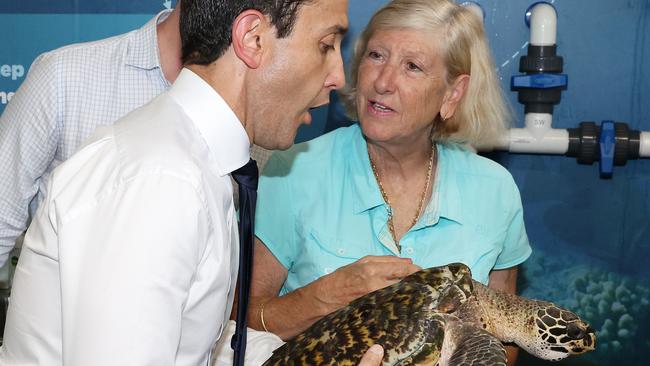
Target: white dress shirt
column 132, row 257
column 67, row 93
column 259, row 346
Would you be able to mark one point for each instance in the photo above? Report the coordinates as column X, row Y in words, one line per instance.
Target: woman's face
column 401, row 86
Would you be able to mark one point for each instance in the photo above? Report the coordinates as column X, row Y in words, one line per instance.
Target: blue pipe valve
column 607, row 142
column 539, row 81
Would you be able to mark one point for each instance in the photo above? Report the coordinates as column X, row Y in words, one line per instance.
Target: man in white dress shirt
column 132, row 256
column 70, row 91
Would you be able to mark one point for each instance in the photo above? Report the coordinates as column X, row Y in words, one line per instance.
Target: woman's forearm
column 287, row 315
column 296, row 311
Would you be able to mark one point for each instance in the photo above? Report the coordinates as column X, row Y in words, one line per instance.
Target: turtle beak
column 590, row 339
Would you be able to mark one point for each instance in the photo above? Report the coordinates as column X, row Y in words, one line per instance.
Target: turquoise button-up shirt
column 319, row 208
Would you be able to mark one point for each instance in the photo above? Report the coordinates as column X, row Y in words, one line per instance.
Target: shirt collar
column 365, row 190
column 216, row 121
column 142, row 50
column 445, row 201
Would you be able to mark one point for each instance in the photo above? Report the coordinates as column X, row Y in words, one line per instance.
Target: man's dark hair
column 206, row 25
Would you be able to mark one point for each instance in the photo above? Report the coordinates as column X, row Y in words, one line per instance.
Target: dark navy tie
column 246, row 178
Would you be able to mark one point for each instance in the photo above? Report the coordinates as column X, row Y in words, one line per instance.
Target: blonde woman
column 359, row 208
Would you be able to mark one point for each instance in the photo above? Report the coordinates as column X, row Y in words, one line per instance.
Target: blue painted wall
column 591, row 236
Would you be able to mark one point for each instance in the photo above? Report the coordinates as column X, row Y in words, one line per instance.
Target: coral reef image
column 616, row 306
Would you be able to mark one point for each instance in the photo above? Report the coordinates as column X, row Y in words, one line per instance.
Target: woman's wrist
column 300, row 306
column 261, row 314
column 319, row 295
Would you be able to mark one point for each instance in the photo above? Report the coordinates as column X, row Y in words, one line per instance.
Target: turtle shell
column 408, row 319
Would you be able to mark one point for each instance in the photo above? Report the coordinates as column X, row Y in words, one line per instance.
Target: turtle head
column 560, row 333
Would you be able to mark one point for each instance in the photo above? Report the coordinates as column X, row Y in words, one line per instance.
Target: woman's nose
column 385, row 82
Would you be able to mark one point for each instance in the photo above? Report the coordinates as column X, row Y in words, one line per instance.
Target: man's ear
column 453, row 96
column 247, row 32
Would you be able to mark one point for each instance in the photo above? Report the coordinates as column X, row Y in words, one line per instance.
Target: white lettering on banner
column 12, row 71
column 6, row 97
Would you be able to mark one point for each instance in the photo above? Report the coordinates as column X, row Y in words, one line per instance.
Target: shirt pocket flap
column 341, row 248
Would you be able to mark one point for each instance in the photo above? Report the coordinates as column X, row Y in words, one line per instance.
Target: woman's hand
column 366, row 275
column 373, row 356
column 294, row 312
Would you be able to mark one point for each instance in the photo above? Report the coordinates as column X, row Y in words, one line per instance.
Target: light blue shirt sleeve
column 274, row 215
column 516, row 248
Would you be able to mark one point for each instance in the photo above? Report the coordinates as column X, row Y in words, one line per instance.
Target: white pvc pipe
column 644, row 148
column 538, row 123
column 543, row 25
column 555, row 141
column 537, row 137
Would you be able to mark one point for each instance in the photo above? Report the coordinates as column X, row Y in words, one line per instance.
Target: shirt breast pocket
column 324, row 254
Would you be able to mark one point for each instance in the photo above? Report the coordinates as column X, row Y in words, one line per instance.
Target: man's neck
column 228, row 77
column 169, row 45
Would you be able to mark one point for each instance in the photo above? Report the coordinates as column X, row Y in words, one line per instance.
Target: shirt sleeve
column 274, row 217
column 28, row 142
column 127, row 264
column 516, row 248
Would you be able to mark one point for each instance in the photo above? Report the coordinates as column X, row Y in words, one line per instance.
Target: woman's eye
column 413, row 67
column 374, row 55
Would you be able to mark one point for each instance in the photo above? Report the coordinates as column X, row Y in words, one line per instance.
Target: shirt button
column 409, row 250
column 341, row 251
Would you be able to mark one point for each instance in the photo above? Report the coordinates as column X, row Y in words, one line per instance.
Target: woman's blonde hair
column 482, row 115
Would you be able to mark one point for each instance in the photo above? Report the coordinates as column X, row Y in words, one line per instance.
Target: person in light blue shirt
column 321, row 209
column 361, row 207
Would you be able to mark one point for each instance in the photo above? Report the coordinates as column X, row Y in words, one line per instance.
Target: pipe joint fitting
column 611, row 144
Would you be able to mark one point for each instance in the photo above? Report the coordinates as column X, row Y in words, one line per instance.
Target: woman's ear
column 453, row 96
column 247, row 33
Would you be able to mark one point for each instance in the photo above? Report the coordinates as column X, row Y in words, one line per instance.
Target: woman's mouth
column 377, row 108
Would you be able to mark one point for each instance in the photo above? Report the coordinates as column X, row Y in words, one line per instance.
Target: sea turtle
column 438, row 316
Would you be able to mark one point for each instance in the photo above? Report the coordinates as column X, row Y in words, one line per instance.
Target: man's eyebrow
column 339, row 29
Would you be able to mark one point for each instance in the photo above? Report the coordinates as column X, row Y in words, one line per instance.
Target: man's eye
column 325, row 47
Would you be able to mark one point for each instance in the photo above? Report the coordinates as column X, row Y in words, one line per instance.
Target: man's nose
column 336, row 79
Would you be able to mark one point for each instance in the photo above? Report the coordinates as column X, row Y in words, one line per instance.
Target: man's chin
column 277, row 144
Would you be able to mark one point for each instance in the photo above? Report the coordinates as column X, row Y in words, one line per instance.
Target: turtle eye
column 574, row 331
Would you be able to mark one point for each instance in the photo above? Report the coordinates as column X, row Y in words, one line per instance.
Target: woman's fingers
column 384, row 259
column 361, row 277
column 373, row 356
column 394, row 270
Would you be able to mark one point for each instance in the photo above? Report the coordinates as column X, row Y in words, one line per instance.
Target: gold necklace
column 391, row 226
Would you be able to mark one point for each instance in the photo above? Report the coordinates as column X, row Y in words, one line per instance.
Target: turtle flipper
column 470, row 345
